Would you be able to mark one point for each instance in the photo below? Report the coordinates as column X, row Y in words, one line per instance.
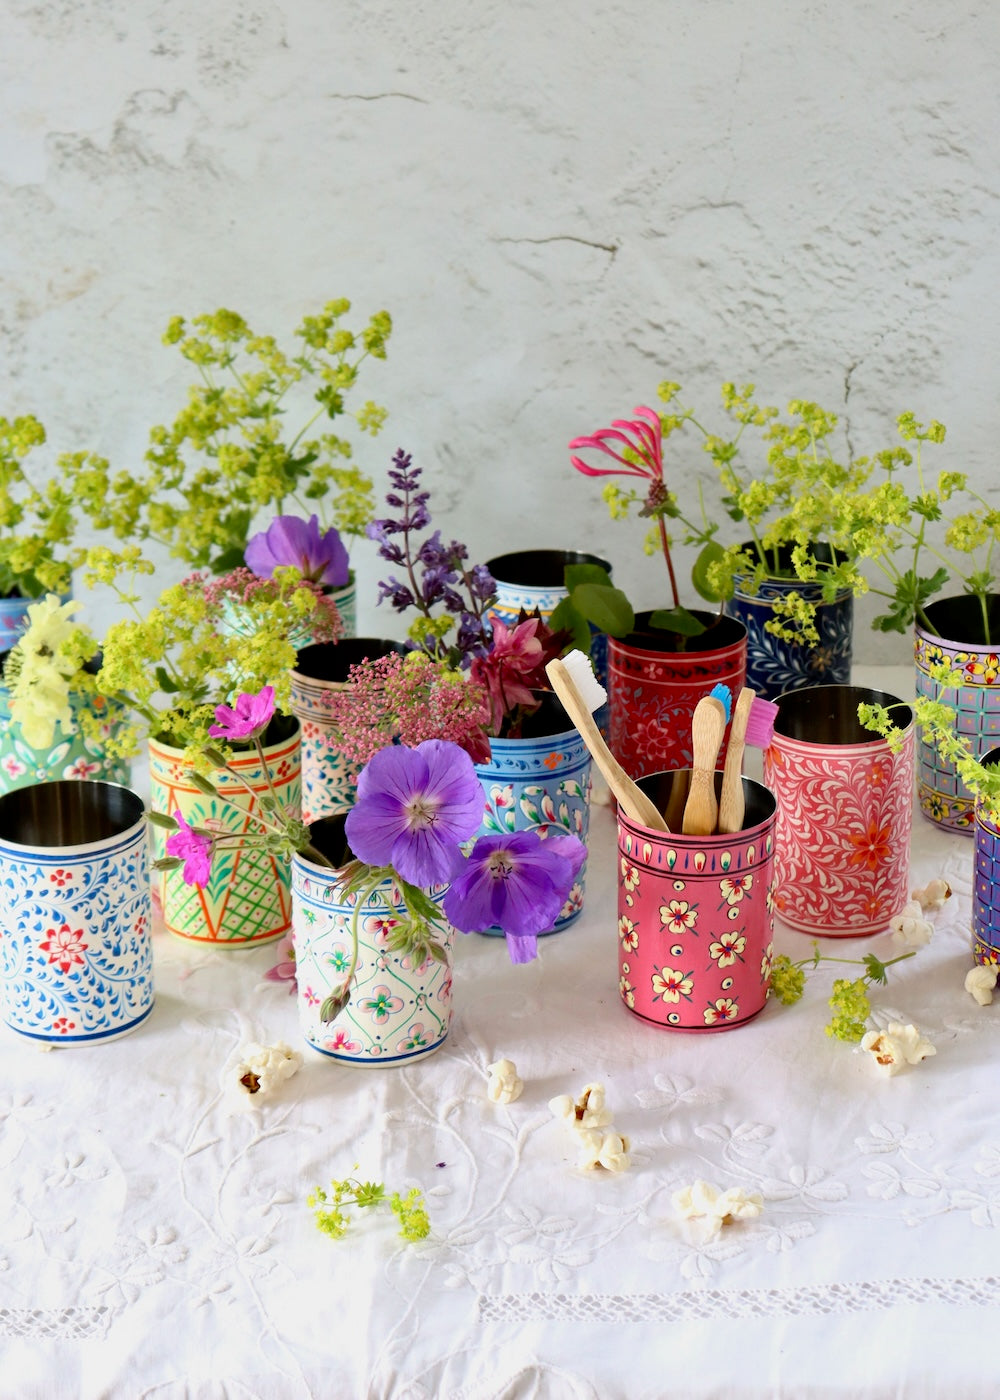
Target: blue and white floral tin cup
column 76, row 955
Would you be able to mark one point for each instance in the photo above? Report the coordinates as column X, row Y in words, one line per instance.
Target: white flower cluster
column 898, row 1046
column 262, row 1068
column 716, row 1208
column 589, row 1118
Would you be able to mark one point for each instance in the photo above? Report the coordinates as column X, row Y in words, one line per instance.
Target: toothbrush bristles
column 723, row 694
column 581, row 673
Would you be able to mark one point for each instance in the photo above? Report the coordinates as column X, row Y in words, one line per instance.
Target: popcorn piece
column 702, row 1201
column 588, row 1111
column 503, row 1085
column 979, row 982
column 933, row 895
column 897, row 1047
column 909, row 927
column 600, row 1149
column 263, row 1067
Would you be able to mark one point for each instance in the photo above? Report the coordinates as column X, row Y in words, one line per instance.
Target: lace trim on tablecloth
column 821, row 1299
column 65, row 1324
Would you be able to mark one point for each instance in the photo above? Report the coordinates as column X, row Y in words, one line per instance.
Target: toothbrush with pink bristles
column 753, row 725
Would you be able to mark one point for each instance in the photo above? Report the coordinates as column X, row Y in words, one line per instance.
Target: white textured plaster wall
column 561, row 205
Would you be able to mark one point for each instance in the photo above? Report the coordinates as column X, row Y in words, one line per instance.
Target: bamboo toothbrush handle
column 732, row 805
column 707, row 729
column 632, row 800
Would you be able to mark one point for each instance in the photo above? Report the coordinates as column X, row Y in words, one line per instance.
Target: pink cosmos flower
column 194, row 849
column 249, row 717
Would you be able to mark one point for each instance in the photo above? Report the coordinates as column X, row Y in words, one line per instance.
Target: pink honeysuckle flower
column 320, row 556
column 194, row 849
column 249, row 717
column 642, row 436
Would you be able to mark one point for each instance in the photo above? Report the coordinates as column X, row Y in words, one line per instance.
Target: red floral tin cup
column 695, row 916
column 653, row 689
column 845, row 809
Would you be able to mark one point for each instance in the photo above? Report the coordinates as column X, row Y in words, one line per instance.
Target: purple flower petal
column 515, row 880
column 290, row 540
column 414, row 809
column 522, row 950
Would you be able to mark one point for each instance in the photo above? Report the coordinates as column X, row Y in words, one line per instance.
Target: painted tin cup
column 957, row 641
column 76, row 957
column 541, row 782
column 247, row 900
column 986, row 887
column 73, row 753
column 775, row 665
column 655, row 680
column 695, row 914
column 845, row 810
column 329, row 778
column 399, row 1011
column 534, row 578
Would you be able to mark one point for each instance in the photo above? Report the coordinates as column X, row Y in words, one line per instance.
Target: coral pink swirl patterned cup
column 695, row 916
column 845, row 808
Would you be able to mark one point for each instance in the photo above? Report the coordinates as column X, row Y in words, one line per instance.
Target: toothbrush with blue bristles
column 708, row 729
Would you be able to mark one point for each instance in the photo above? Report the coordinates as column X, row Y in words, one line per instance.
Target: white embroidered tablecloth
column 157, row 1243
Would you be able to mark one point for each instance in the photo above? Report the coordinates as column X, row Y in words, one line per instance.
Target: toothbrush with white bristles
column 581, row 693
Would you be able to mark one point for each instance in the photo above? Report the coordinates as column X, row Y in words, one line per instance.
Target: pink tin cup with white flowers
column 845, row 810
column 695, row 913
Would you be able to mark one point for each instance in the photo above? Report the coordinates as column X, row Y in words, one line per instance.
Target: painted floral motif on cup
column 398, row 1011
column 695, row 926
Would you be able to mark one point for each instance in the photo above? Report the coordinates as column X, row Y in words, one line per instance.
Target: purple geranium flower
column 518, row 881
column 194, row 849
column 289, row 539
column 414, row 809
column 249, row 717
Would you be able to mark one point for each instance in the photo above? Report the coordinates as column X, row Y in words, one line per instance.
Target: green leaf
column 607, row 608
column 166, row 682
column 678, row 620
column 575, row 574
column 711, row 552
column 417, row 902
column 565, row 617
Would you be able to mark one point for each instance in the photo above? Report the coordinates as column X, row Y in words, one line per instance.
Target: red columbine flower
column 514, row 664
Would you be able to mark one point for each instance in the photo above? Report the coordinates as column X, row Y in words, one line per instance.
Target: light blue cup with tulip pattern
column 540, row 783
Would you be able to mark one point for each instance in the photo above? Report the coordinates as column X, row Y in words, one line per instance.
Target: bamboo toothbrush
column 573, row 680
column 708, row 729
column 753, row 725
